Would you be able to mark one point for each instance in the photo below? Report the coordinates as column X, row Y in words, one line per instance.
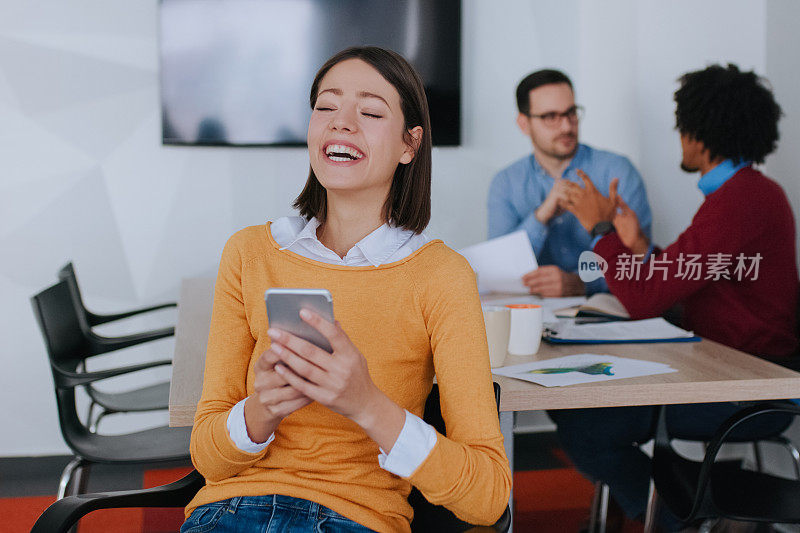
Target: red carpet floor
column 546, row 501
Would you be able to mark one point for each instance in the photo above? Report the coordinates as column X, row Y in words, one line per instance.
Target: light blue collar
column 576, row 162
column 714, row 178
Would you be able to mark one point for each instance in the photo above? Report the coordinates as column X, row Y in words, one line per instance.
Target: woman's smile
column 342, row 153
column 356, row 131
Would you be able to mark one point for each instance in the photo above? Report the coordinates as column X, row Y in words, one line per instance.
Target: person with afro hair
column 731, row 274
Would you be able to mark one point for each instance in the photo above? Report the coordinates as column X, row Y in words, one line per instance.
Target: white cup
column 498, row 322
column 526, row 329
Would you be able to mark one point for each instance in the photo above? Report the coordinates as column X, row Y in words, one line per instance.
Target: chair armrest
column 62, row 515
column 730, row 424
column 699, row 474
column 67, row 379
column 97, row 319
column 102, row 344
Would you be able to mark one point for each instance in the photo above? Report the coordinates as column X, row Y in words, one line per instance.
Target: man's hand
column 587, row 203
column 550, row 281
column 630, row 232
column 553, row 205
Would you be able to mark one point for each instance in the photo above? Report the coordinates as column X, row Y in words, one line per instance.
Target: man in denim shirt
column 531, row 193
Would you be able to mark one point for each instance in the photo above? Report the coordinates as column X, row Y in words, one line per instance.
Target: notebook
column 602, row 305
column 630, row 331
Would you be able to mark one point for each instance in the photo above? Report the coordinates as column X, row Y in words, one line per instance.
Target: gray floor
column 38, row 476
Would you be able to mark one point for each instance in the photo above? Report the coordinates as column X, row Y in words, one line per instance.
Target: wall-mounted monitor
column 238, row 72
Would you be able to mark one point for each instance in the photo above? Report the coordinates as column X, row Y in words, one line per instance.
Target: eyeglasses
column 553, row 118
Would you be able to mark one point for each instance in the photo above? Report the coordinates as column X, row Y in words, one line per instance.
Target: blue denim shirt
column 519, row 189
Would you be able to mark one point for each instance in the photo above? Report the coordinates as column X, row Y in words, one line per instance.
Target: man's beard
column 564, row 156
column 687, row 168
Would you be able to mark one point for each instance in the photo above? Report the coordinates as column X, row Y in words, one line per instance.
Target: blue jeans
column 268, row 514
column 604, row 443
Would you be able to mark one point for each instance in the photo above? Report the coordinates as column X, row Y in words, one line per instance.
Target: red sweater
column 749, row 214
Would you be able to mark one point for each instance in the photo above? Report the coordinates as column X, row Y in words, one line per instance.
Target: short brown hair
column 534, row 80
column 409, row 202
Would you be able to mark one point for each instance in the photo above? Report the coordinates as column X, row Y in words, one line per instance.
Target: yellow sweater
column 411, row 319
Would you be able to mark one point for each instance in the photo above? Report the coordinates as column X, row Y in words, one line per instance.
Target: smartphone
column 283, row 312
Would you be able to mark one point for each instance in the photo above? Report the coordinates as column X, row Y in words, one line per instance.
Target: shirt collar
column 382, row 243
column 376, row 247
column 717, row 176
column 309, row 231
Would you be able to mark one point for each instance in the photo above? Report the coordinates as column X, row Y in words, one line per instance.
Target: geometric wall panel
column 45, row 79
column 74, row 226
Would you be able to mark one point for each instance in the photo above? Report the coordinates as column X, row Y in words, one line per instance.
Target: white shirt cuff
column 237, row 429
column 413, row 445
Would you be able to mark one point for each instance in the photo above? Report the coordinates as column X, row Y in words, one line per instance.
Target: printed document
column 582, row 368
column 500, row 263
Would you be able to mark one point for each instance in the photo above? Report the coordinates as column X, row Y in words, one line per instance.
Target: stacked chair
column 60, row 516
column 151, row 398
column 67, row 330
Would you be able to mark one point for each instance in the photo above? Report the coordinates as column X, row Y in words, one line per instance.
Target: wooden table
column 191, row 337
column 707, row 371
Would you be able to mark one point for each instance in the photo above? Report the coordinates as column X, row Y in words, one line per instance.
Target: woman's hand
column 630, row 232
column 272, row 401
column 340, row 380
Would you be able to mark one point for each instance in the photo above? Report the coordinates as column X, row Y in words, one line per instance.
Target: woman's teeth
column 340, row 152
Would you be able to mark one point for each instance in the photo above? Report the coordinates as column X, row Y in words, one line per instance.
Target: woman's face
column 355, row 135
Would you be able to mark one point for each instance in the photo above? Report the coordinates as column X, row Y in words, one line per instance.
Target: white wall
column 83, row 175
column 783, row 65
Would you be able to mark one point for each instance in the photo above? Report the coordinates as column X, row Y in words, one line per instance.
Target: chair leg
column 81, row 479
column 93, row 425
column 66, row 476
column 599, row 512
column 792, row 449
column 708, row 525
column 757, row 456
column 89, row 413
column 651, row 515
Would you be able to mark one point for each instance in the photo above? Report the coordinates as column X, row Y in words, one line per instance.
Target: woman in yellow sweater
column 291, row 437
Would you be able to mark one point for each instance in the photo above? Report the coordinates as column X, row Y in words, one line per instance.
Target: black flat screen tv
column 238, row 72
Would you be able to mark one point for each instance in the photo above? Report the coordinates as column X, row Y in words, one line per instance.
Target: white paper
column 500, row 263
column 624, row 330
column 574, row 369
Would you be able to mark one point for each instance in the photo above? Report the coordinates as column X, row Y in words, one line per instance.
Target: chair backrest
column 66, row 347
column 67, row 273
column 59, row 322
column 85, row 317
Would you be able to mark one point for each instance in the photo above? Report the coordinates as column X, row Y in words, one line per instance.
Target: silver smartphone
column 283, row 312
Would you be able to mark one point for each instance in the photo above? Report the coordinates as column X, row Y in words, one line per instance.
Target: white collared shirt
column 384, row 245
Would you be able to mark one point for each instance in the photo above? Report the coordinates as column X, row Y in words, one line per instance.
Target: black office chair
column 61, row 515
column 600, row 500
column 67, row 347
column 152, row 398
column 429, row 517
column 710, row 489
